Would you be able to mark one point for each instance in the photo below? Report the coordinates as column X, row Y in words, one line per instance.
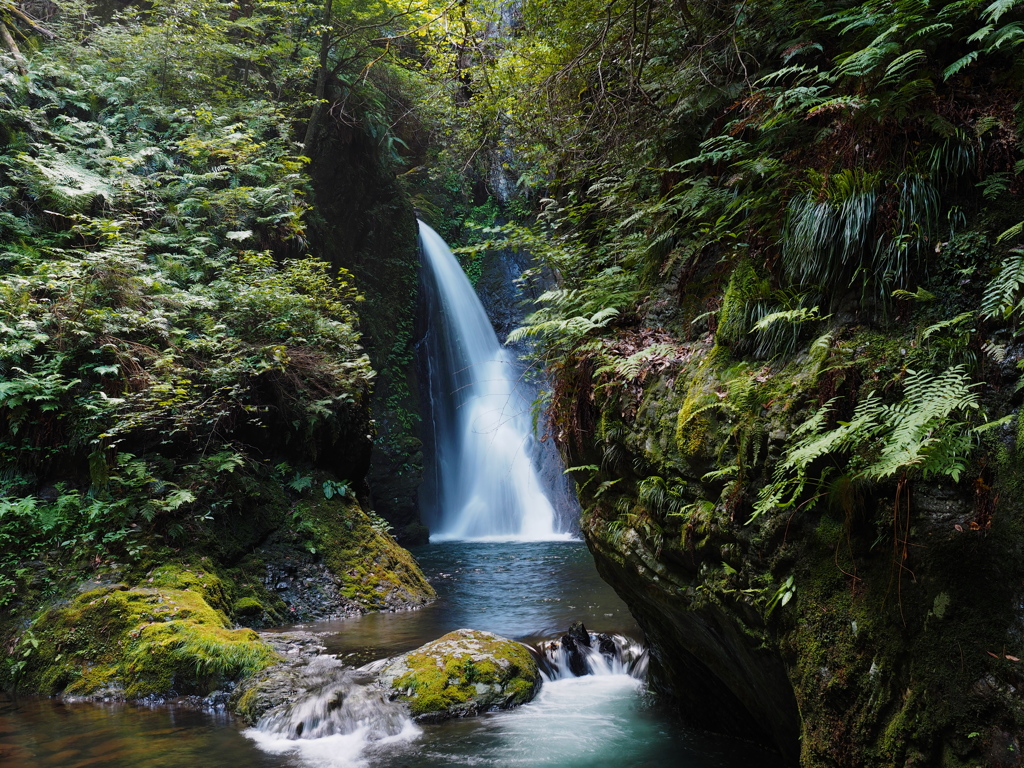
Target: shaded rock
column 357, row 567
column 573, row 642
column 464, row 673
column 285, row 681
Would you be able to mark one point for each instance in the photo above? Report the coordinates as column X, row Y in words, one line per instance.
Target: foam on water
column 486, row 482
column 348, row 750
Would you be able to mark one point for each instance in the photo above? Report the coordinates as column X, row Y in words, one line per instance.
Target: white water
column 340, row 714
column 487, row 484
column 627, row 657
column 343, row 721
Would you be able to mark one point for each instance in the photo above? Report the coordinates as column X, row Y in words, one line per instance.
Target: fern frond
column 1000, row 294
column 959, row 64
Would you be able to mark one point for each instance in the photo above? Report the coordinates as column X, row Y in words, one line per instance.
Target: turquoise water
column 527, row 591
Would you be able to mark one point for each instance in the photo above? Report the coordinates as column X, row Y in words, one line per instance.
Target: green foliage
column 1001, row 295
column 926, row 434
column 158, row 307
column 334, row 488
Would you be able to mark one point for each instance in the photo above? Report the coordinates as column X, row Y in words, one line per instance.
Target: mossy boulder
column 148, row 640
column 335, row 559
column 464, row 673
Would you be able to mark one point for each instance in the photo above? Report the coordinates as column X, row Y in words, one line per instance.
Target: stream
column 530, row 591
column 503, row 559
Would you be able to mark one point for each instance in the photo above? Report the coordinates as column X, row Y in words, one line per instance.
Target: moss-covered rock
column 134, row 642
column 466, row 672
column 869, row 625
column 376, row 571
column 166, row 628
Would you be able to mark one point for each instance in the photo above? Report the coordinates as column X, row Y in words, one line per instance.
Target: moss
column 890, row 658
column 369, row 561
column 139, row 642
column 245, row 706
column 466, row 672
column 693, row 422
column 192, row 577
column 247, row 606
column 745, row 286
column 188, row 657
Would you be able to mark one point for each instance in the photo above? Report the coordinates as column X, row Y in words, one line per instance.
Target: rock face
column 879, row 627
column 466, row 672
column 366, row 224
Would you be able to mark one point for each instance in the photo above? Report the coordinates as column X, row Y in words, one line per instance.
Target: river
column 528, row 591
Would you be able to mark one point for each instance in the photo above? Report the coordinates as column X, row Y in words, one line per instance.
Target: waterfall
column 580, row 653
column 485, row 484
column 336, row 717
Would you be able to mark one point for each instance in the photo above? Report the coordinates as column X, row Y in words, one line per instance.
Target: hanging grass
column 855, row 230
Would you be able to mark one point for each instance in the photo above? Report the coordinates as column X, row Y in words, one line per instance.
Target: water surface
column 527, row 591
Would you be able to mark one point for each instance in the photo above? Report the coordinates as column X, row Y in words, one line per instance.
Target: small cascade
column 579, row 653
column 341, row 710
column 485, row 484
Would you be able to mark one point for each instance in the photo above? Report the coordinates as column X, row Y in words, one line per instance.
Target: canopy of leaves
column 743, row 175
column 162, row 322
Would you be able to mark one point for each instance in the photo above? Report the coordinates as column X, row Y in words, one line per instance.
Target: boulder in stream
column 466, row 672
column 573, row 642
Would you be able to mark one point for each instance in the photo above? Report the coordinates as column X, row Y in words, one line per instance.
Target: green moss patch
column 466, row 672
column 375, row 571
column 149, row 640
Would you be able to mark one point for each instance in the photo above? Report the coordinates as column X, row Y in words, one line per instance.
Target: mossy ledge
column 121, row 642
column 466, row 672
column 173, row 630
column 881, row 627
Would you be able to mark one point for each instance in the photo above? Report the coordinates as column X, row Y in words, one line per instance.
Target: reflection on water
column 527, row 591
column 40, row 733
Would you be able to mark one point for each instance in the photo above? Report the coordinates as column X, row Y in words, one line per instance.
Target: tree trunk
column 10, row 45
column 321, row 82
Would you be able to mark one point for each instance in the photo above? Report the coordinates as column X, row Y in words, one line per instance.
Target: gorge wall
column 861, row 624
column 365, row 223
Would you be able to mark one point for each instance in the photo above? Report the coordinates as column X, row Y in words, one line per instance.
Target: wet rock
column 573, row 642
column 606, row 645
column 281, row 683
column 466, row 672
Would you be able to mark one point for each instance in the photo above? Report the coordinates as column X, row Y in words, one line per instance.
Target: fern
column 997, row 9
column 660, row 498
column 926, row 435
column 790, row 316
column 1000, row 299
column 630, row 368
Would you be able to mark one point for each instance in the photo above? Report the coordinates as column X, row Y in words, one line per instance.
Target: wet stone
column 466, row 672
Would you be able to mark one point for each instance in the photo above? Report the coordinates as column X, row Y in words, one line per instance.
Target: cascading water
column 339, row 714
column 485, row 483
column 592, row 653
